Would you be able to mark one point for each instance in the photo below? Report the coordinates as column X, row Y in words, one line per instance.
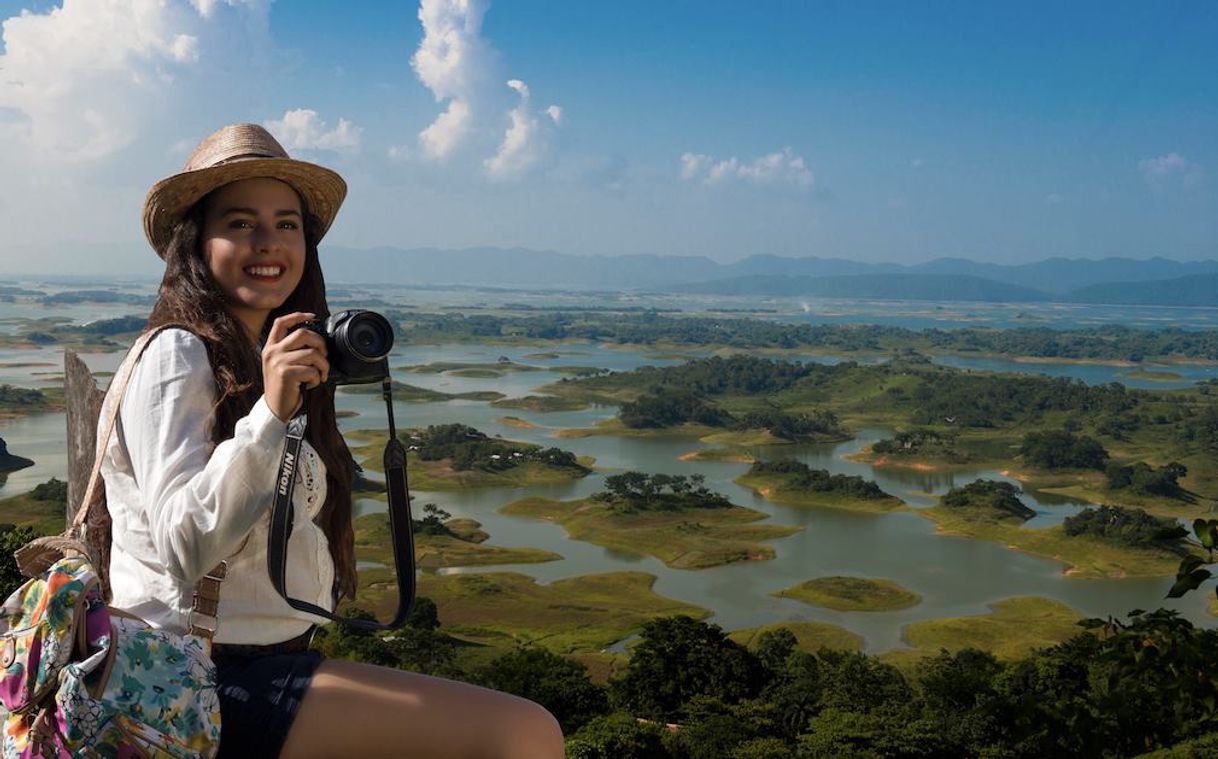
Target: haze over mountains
column 1152, row 281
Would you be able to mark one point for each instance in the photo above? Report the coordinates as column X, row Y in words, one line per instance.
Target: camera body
column 357, row 345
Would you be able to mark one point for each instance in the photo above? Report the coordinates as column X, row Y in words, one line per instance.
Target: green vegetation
column 405, row 392
column 1016, row 627
column 586, row 613
column 629, row 492
column 987, row 512
column 998, row 500
column 698, row 535
column 42, row 509
column 922, row 443
column 852, row 594
column 1132, row 527
column 809, row 636
column 1143, row 479
column 541, row 403
column 1110, row 343
column 466, row 369
column 16, row 401
column 1058, row 449
column 795, row 483
column 456, row 456
column 440, row 543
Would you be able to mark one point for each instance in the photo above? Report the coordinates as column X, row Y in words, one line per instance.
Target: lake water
column 955, row 576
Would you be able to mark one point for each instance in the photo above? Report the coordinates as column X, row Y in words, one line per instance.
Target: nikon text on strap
column 400, row 524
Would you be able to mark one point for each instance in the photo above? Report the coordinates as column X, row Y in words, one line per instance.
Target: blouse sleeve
column 201, row 502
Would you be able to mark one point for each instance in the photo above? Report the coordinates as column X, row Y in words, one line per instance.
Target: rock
column 9, row 462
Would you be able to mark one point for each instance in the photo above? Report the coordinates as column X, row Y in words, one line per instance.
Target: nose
column 264, row 238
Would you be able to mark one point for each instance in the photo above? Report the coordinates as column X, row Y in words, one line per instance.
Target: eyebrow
column 254, row 212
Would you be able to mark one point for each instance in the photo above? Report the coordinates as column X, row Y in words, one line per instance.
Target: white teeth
column 265, row 271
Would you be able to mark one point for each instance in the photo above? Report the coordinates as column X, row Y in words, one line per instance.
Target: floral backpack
column 82, row 679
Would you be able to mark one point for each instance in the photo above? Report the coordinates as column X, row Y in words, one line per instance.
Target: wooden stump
column 82, row 401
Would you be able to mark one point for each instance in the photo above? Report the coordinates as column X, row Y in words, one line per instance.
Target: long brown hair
column 190, row 296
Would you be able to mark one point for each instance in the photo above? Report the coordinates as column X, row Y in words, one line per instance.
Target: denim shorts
column 259, row 698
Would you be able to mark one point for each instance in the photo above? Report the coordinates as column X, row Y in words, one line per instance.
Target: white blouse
column 181, row 504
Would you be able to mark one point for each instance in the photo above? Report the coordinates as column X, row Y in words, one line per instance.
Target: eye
column 240, row 224
column 288, row 224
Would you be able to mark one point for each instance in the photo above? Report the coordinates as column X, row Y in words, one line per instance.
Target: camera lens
column 366, row 335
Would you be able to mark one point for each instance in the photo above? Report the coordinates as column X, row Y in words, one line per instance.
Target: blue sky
column 873, row 131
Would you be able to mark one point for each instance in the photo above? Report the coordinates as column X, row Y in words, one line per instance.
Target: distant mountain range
column 1152, row 281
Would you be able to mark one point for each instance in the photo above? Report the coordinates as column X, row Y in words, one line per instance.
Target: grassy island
column 976, row 511
column 457, row 456
column 1014, row 628
column 541, row 403
column 796, row 484
column 810, row 637
column 20, row 401
column 440, row 543
column 578, row 614
column 852, row 594
column 42, row 508
column 405, row 392
column 671, row 517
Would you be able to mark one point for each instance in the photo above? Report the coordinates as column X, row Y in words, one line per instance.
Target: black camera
column 357, row 344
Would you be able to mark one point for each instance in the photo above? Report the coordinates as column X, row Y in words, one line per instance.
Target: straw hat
column 235, row 152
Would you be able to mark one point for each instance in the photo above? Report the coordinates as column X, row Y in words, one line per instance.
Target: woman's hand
column 292, row 360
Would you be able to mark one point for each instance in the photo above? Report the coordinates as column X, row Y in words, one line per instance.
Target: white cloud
column 462, row 70
column 1164, row 170
column 783, row 168
column 455, row 63
column 84, row 79
column 526, row 139
column 303, row 129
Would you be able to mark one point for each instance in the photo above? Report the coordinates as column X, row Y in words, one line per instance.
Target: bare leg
column 354, row 709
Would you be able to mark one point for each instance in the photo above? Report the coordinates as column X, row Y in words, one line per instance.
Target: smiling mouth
column 267, row 273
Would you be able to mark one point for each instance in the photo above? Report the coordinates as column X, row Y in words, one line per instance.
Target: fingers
column 285, row 324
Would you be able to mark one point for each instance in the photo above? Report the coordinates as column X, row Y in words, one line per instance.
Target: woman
column 190, row 473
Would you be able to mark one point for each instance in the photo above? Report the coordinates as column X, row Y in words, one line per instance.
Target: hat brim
column 322, row 191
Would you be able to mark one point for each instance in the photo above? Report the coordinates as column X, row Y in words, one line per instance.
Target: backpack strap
column 38, row 555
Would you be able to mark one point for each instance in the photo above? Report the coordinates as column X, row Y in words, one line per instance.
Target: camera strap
column 401, row 527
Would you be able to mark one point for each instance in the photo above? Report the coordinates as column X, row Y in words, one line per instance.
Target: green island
column 503, row 609
column 440, row 542
column 517, row 422
column 851, row 594
column 41, row 509
column 21, row 401
column 810, row 637
column 1102, row 541
column 1014, row 628
column 457, row 456
column 1153, row 375
column 920, row 448
column 541, row 403
column 672, row 517
column 102, row 335
column 405, row 392
column 471, row 369
column 733, row 455
column 794, row 483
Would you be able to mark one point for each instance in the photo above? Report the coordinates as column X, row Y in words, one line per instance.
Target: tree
column 557, row 683
column 617, row 736
column 12, row 538
column 678, row 658
column 1057, row 449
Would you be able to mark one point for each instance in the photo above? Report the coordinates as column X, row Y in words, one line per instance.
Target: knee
column 531, row 732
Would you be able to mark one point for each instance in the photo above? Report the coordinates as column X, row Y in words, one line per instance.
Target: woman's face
column 254, row 245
